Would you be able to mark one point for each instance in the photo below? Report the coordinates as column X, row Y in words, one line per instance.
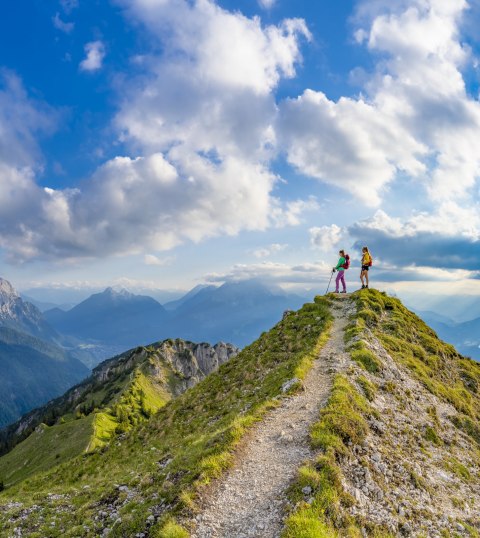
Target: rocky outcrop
column 17, row 314
column 192, row 362
column 177, row 364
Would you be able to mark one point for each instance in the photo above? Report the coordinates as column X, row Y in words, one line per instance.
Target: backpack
column 346, row 265
column 370, row 263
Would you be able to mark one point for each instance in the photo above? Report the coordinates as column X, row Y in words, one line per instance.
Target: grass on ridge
column 342, row 424
column 434, row 363
column 166, row 461
column 46, row 447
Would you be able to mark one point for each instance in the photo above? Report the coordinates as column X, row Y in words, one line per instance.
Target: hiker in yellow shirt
column 366, row 264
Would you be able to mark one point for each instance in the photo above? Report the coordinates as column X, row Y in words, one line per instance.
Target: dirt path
column 250, row 500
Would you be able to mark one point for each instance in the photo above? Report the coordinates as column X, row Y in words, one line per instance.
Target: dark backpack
column 346, row 265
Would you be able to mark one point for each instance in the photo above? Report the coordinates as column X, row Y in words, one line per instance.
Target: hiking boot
column 363, row 286
column 366, row 287
column 344, row 291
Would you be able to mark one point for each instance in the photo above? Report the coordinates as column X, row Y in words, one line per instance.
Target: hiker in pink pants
column 343, row 263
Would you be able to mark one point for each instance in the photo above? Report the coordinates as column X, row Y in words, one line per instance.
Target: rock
column 307, row 490
column 289, row 384
column 460, row 527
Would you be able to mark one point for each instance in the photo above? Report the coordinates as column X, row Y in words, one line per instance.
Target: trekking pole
column 329, row 282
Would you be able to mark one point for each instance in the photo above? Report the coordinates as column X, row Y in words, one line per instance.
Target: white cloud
column 267, row 4
column 414, row 114
column 151, row 259
column 448, row 220
column 21, row 120
column 94, row 55
column 63, row 26
column 201, row 121
column 265, row 252
column 279, row 273
column 326, row 237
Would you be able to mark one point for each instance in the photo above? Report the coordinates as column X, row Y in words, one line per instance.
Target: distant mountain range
column 113, row 317
column 233, row 312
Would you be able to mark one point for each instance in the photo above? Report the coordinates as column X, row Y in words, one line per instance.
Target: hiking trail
column 250, row 499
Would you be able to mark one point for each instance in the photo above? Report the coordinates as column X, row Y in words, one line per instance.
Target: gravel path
column 249, row 501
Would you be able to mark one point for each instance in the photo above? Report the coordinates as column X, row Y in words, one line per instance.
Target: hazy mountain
column 43, row 306
column 234, row 312
column 32, row 372
column 114, row 317
column 173, row 305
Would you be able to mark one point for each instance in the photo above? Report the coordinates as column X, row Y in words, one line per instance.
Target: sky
column 161, row 144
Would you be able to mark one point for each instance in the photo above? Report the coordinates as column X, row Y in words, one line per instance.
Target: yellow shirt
column 366, row 258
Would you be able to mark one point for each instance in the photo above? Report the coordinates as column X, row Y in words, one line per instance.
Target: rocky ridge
column 172, row 365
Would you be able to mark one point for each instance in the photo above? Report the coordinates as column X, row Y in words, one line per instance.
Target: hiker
column 343, row 263
column 366, row 264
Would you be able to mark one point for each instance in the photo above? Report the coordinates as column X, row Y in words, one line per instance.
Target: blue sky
column 166, row 143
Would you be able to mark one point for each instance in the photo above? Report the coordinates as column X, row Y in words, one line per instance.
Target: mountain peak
column 119, row 292
column 7, row 291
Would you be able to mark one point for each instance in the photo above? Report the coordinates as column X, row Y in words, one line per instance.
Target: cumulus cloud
column 447, row 239
column 326, row 237
column 94, row 55
column 265, row 252
column 63, row 26
column 413, row 116
column 201, row 120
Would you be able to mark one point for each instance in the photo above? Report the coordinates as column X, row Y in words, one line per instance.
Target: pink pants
column 340, row 278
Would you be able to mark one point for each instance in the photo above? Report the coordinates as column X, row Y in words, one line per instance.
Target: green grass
column 366, row 359
column 458, row 469
column 46, row 448
column 169, row 459
column 432, row 436
column 50, row 446
column 342, row 422
column 369, row 388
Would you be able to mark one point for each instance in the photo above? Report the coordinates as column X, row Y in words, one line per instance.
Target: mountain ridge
column 233, row 312
column 119, row 393
column 394, row 449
